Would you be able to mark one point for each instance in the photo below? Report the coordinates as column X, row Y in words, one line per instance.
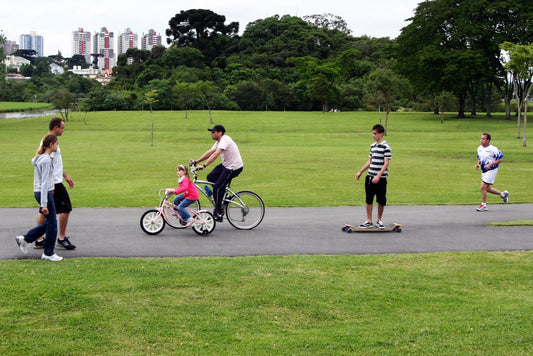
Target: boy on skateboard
column 376, row 179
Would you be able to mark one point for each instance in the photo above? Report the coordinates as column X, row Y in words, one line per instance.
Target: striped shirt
column 379, row 152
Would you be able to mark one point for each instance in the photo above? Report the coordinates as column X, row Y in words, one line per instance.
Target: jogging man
column 61, row 197
column 230, row 167
column 489, row 158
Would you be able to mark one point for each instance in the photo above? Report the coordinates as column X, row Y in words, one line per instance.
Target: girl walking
column 43, row 185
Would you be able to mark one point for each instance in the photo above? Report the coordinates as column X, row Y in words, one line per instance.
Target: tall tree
column 383, row 87
column 198, row 27
column 2, row 67
column 453, row 45
column 520, row 65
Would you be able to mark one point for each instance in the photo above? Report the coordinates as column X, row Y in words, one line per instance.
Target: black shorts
column 376, row 190
column 61, row 199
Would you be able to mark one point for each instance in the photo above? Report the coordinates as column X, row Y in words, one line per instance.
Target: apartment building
column 103, row 45
column 150, row 40
column 126, row 40
column 32, row 41
column 81, row 44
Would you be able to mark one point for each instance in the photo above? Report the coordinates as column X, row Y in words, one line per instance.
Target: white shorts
column 489, row 177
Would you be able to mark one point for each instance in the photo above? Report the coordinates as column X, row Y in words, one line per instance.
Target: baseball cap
column 219, row 128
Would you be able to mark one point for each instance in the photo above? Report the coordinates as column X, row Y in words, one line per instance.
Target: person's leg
column 51, row 227
column 381, row 197
column 182, row 208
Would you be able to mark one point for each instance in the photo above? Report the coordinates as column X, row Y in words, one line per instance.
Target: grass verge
column 473, row 303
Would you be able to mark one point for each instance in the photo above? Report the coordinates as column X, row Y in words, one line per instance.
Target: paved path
column 115, row 232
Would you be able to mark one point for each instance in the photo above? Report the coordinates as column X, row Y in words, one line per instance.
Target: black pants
column 378, row 190
column 222, row 177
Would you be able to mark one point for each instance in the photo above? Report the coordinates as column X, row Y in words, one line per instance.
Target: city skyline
column 55, row 21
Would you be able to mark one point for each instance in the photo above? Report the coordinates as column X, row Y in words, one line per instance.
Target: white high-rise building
column 150, row 40
column 81, row 44
column 32, row 41
column 126, row 40
column 104, row 47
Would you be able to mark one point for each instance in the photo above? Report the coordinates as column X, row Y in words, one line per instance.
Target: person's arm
column 487, row 167
column 210, row 156
column 69, row 181
column 365, row 167
column 376, row 179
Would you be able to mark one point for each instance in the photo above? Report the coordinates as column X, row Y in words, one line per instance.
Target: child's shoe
column 190, row 221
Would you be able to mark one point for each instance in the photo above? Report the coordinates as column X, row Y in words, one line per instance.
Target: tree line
column 449, row 56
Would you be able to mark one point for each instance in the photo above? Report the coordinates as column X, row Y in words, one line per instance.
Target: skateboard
column 394, row 228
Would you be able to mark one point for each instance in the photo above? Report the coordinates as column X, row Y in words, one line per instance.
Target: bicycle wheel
column 245, row 210
column 152, row 222
column 204, row 223
column 173, row 219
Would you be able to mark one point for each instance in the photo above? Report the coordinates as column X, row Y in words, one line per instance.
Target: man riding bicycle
column 222, row 174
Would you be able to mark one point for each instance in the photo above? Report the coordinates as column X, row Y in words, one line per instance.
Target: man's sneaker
column 23, row 245
column 482, row 207
column 366, row 225
column 218, row 217
column 38, row 244
column 190, row 221
column 505, row 196
column 379, row 224
column 53, row 258
column 65, row 243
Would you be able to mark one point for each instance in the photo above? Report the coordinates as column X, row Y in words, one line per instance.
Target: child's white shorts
column 489, row 177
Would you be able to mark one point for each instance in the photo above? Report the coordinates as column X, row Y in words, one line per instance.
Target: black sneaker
column 218, row 217
column 65, row 243
column 38, row 244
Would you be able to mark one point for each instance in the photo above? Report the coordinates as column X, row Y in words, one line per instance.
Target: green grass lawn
column 423, row 304
column 291, row 159
column 11, row 106
column 475, row 303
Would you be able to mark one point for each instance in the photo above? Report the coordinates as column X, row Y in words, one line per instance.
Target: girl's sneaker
column 482, row 207
column 366, row 225
column 190, row 221
column 54, row 258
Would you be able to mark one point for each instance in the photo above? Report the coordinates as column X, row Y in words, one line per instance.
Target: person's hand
column 44, row 211
column 70, row 182
column 375, row 180
column 477, row 166
column 169, row 191
column 357, row 176
column 200, row 167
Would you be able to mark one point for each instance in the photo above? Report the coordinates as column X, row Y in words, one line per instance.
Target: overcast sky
column 55, row 20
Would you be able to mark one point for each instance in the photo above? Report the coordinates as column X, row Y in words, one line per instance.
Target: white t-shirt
column 230, row 155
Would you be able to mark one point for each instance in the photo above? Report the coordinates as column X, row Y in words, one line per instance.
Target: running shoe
column 38, row 244
column 366, row 225
column 505, row 196
column 65, row 243
column 23, row 245
column 53, row 258
column 482, row 207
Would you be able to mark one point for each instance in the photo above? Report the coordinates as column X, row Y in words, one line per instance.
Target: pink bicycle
column 153, row 221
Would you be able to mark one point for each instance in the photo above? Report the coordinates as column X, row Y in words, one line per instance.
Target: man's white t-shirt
column 230, row 155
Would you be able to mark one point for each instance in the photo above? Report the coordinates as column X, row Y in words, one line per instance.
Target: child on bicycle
column 186, row 194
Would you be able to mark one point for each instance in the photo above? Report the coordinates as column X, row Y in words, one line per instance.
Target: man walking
column 489, row 158
column 230, row 167
column 61, row 197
